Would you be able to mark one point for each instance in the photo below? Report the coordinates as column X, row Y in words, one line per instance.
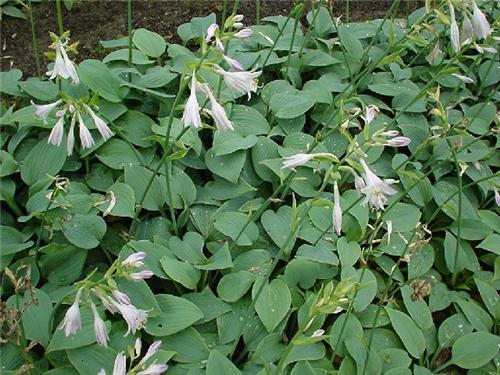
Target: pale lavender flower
column 152, row 350
column 467, row 29
column 191, row 115
column 121, row 297
column 120, row 367
column 42, row 111
column 72, row 321
column 70, row 142
column 462, row 78
column 337, row 210
column 138, row 346
column 218, row 113
column 138, row 276
column 134, row 317
column 57, row 132
column 244, row 33
column 101, row 333
column 241, row 82
column 399, row 141
column 219, row 45
column 375, row 188
column 497, row 196
column 371, row 112
column 154, row 369
column 454, row 33
column 211, row 31
column 480, row 24
column 100, row 124
column 85, row 137
column 135, row 260
column 63, row 66
column 390, row 133
column 318, row 333
column 235, row 64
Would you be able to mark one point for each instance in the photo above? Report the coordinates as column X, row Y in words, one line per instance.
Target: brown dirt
column 91, row 21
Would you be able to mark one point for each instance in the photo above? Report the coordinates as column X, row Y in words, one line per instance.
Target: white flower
column 235, row 64
column 120, row 367
column 454, row 33
column 137, row 276
column 318, row 333
column 70, row 142
column 211, row 31
column 375, row 188
column 101, row 126
column 467, row 29
column 154, row 369
column 371, row 112
column 464, row 79
column 106, row 301
column 244, row 33
column 72, row 321
column 497, row 196
column 85, row 137
column 134, row 317
column 242, row 82
column 300, row 159
column 57, row 132
column 337, row 210
column 63, row 66
column 389, row 230
column 399, row 141
column 218, row 113
column 152, row 350
column 218, row 44
column 121, row 297
column 191, row 115
column 101, row 372
column 101, row 334
column 42, row 111
column 238, row 25
column 135, row 260
column 138, row 346
column 484, row 48
column 238, row 18
column 480, row 24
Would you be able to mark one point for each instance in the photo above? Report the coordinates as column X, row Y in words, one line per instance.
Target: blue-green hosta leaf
column 149, row 42
column 409, row 333
column 98, row 77
column 273, row 303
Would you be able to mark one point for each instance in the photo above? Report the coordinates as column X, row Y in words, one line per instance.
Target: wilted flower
column 135, row 260
column 463, row 78
column 134, row 317
column 371, row 112
column 480, row 24
column 235, row 64
column 101, row 333
column 137, row 276
column 191, row 115
column 454, row 33
column 244, row 33
column 72, row 320
column 42, row 111
column 112, row 203
column 375, row 188
column 242, row 82
column 337, row 210
column 85, row 137
column 63, row 66
column 57, row 132
column 101, row 126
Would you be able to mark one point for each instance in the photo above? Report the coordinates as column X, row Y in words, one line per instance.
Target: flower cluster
column 238, row 81
column 474, row 26
column 112, row 299
column 63, row 66
column 72, row 111
column 142, row 367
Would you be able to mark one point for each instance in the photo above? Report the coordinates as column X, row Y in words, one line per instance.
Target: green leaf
column 233, row 286
column 404, row 217
column 219, row 365
column 136, row 127
column 232, row 223
column 137, row 177
column 102, row 358
column 62, row 264
column 291, row 104
column 228, row 166
column 125, row 201
column 12, row 240
column 140, row 295
column 176, row 314
column 41, row 90
column 42, row 161
column 85, row 231
column 273, row 303
column 278, row 224
column 84, row 336
column 149, row 42
column 409, row 333
column 98, row 77
column 474, row 350
column 182, row 272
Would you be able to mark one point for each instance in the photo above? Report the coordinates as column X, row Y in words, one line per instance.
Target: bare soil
column 92, row 20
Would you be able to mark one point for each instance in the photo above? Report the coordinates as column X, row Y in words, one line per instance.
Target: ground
column 91, row 21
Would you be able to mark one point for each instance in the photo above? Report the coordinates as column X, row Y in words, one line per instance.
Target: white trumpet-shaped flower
column 191, row 115
column 101, row 334
column 371, row 112
column 244, row 33
column 63, row 66
column 462, row 78
column 467, row 30
column 211, row 32
column 100, row 124
column 121, row 297
column 300, row 159
column 120, row 367
column 497, row 196
column 57, row 132
column 152, row 350
column 72, row 321
column 480, row 24
column 135, row 260
column 86, row 139
column 154, row 369
column 217, row 112
column 138, row 276
column 375, row 189
column 241, row 82
column 70, row 142
column 134, row 317
column 235, row 64
column 42, row 111
column 454, row 33
column 337, row 210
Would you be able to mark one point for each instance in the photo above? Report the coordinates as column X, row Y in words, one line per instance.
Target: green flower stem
column 34, row 41
column 347, row 3
column 59, row 17
column 297, row 15
column 257, row 12
column 459, row 214
column 168, row 176
column 129, row 24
